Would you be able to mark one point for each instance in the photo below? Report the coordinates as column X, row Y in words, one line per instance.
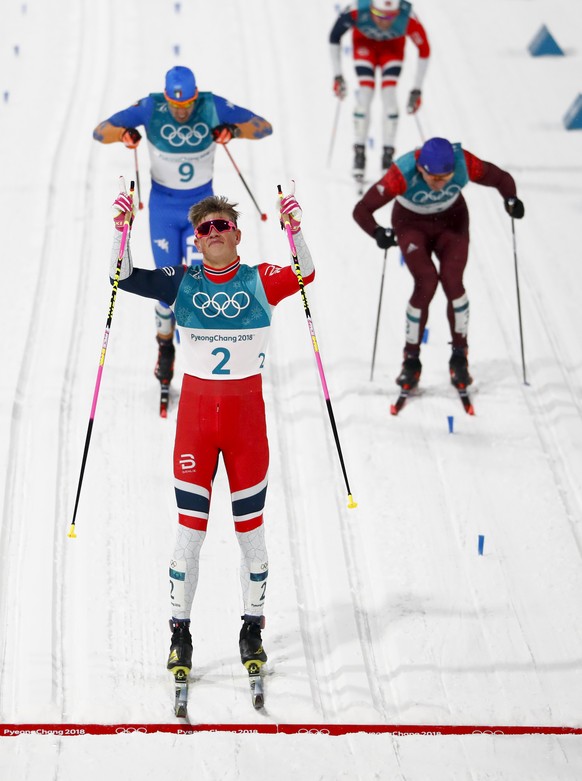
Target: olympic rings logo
column 304, row 731
column 221, row 303
column 184, row 135
column 434, row 196
column 488, row 732
column 129, row 730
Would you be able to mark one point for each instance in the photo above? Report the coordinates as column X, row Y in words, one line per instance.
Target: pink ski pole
column 124, row 235
column 297, row 269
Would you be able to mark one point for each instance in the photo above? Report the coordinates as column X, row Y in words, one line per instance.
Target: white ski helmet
column 385, row 6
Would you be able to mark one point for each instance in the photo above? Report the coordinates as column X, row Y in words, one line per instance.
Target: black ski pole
column 236, row 168
column 333, row 132
column 137, row 179
column 525, row 382
column 378, row 316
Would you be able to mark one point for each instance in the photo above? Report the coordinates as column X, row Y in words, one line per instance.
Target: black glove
column 222, row 134
column 385, row 237
column 131, row 137
column 339, row 87
column 414, row 101
column 515, row 208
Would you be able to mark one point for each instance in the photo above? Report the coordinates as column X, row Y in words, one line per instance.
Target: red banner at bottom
column 75, row 730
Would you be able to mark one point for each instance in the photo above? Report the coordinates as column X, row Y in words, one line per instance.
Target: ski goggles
column 184, row 104
column 440, row 177
column 222, row 226
column 385, row 15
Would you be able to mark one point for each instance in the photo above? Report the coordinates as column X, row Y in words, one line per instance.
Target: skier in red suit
column 380, row 30
column 223, row 311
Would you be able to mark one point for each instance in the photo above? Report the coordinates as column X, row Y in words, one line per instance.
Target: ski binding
column 181, row 700
column 256, row 684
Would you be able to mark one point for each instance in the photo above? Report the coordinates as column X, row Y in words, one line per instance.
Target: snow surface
column 385, row 614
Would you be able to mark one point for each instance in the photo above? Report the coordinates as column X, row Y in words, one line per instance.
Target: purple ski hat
column 180, row 85
column 437, row 156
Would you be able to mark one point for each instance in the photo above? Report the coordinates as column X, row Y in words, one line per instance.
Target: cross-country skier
column 182, row 126
column 223, row 311
column 430, row 217
column 380, row 29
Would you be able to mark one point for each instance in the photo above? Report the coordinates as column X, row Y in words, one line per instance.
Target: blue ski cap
column 437, row 156
column 180, row 84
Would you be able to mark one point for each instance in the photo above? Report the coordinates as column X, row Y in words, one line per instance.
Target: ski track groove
column 319, row 650
column 315, row 641
column 354, row 560
column 48, row 270
column 540, row 418
column 530, row 301
column 66, row 469
column 454, row 522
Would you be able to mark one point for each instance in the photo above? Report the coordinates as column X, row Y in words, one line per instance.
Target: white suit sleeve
column 336, row 62
column 420, row 73
column 303, row 255
column 126, row 264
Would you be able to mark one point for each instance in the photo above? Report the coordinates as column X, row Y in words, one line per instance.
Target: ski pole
column 297, row 269
column 124, row 235
column 418, row 125
column 137, row 179
column 378, row 316
column 236, row 168
column 333, row 132
column 525, row 382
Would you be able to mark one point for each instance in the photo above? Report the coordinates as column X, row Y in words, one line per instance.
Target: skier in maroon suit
column 429, row 217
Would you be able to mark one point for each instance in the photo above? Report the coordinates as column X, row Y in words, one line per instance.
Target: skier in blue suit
column 182, row 127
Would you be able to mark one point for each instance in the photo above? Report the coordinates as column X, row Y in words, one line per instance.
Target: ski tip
column 393, row 409
column 163, row 412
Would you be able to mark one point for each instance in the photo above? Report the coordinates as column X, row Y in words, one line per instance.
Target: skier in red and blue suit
column 430, row 216
column 380, row 29
column 223, row 311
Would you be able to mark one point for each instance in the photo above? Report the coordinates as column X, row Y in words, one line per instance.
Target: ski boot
column 253, row 656
column 387, row 157
column 459, row 368
column 359, row 162
column 410, row 372
column 180, row 664
column 250, row 642
column 180, row 658
column 164, row 370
